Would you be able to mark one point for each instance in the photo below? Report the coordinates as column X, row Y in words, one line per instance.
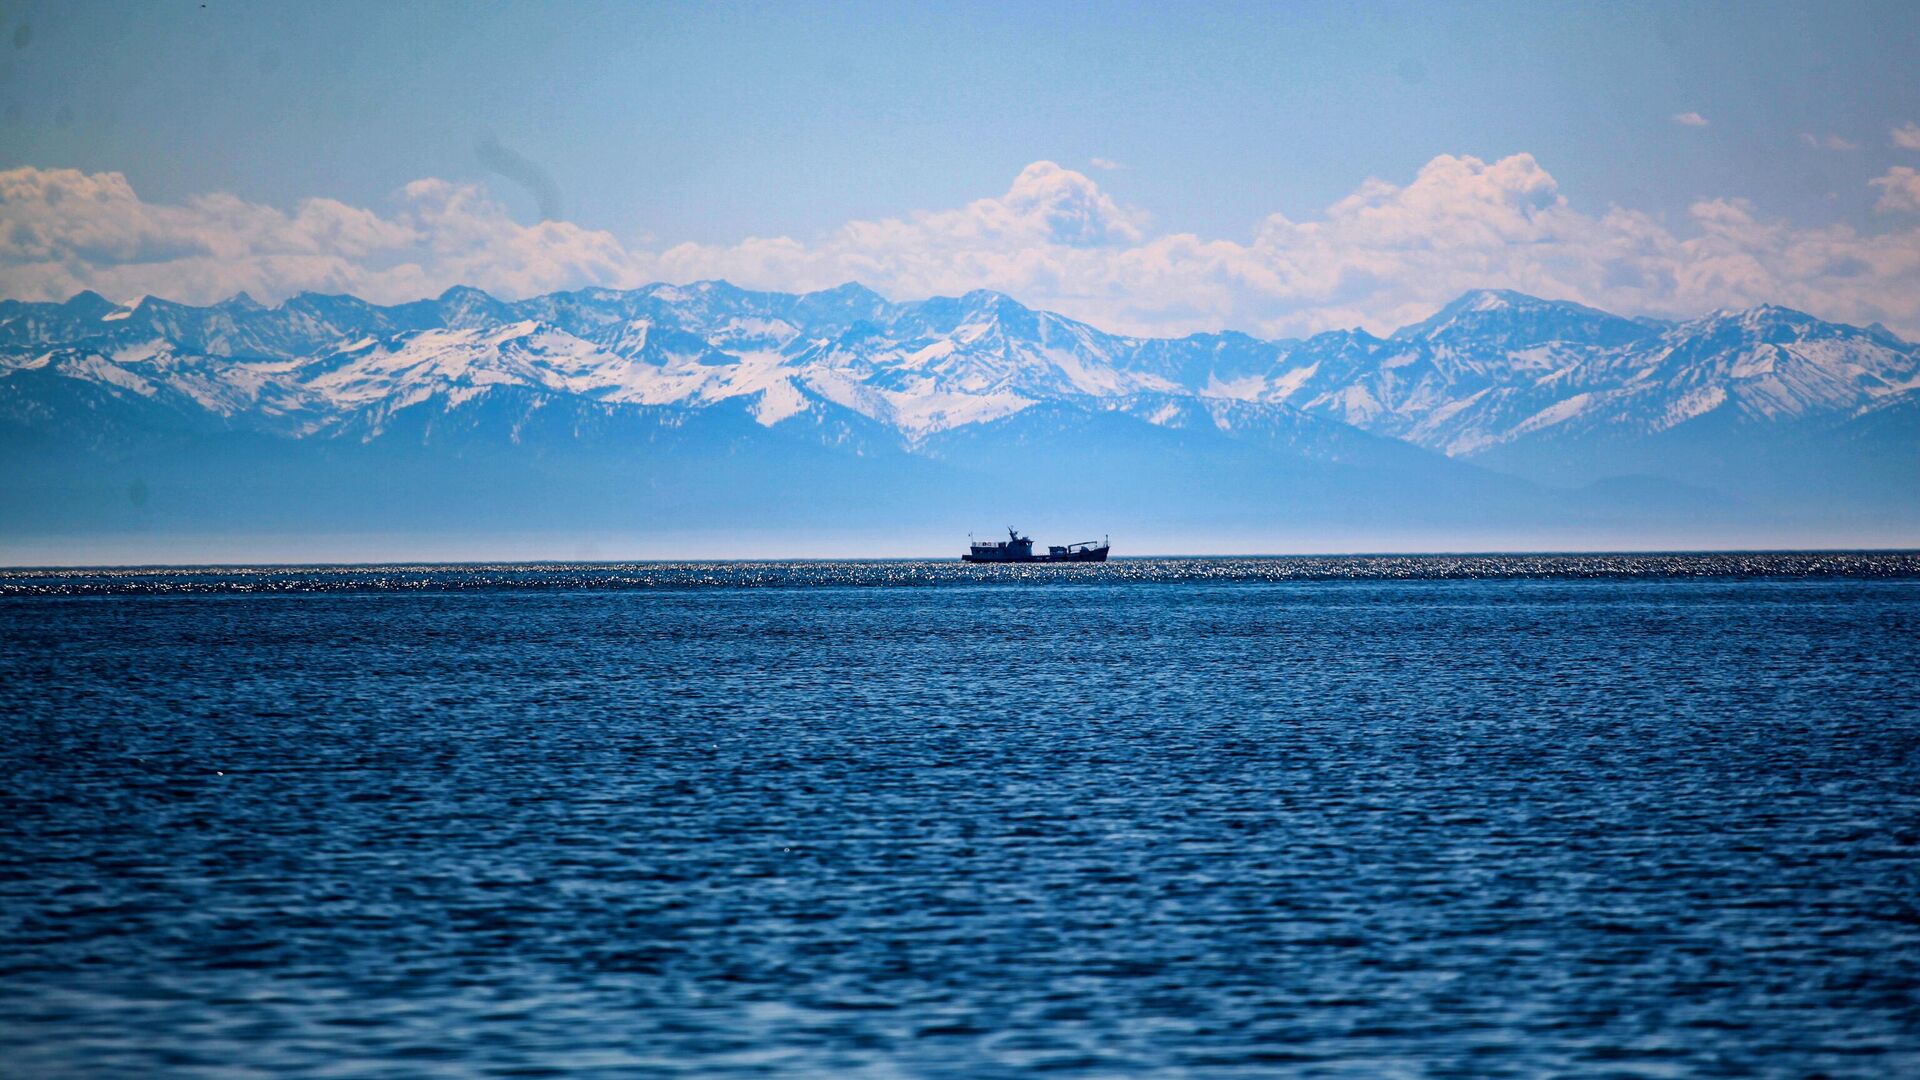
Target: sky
column 1152, row 168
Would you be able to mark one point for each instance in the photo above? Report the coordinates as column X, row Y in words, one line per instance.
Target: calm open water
column 1633, row 816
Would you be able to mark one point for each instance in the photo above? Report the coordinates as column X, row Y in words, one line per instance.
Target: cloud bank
column 1385, row 255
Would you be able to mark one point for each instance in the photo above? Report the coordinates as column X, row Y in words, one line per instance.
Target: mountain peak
column 1471, row 307
column 996, row 305
column 1771, row 322
column 466, row 294
column 466, row 308
column 1775, row 313
column 694, row 291
column 1503, row 318
column 1494, row 300
column 1881, row 333
column 847, row 290
column 89, row 305
column 986, row 298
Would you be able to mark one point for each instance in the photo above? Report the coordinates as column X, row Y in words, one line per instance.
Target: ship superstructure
column 1019, row 549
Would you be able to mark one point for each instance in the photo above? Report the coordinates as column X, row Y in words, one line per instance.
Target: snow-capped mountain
column 1489, row 369
column 322, row 365
column 1496, row 369
column 1549, row 390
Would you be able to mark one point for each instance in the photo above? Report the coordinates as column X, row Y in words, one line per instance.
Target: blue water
column 1595, row 817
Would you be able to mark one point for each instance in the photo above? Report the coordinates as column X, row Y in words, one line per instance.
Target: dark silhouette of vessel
column 1017, row 548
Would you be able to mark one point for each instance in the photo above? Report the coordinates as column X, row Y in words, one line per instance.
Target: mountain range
column 838, row 416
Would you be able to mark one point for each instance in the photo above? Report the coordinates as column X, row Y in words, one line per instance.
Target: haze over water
column 1456, row 816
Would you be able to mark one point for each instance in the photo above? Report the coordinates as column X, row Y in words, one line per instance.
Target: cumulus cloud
column 62, row 230
column 1907, row 136
column 1899, row 190
column 1690, row 119
column 1384, row 255
column 1827, row 142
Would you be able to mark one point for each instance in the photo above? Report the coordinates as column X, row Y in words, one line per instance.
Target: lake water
column 1593, row 816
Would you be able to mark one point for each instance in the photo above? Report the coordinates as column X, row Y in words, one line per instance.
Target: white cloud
column 1108, row 164
column 1907, row 136
column 62, row 230
column 1690, row 119
column 1385, row 255
column 1900, row 190
column 1827, row 142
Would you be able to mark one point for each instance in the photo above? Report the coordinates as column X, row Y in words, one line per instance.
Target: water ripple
column 1649, row 817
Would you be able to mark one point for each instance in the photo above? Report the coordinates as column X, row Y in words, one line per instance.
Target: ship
column 1017, row 548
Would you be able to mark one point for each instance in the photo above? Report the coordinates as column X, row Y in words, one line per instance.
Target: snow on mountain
column 1493, row 370
column 918, row 368
column 1522, row 321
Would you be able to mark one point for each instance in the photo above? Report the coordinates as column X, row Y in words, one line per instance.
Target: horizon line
column 12, row 568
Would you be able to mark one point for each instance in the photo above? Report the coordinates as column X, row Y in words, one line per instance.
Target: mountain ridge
column 1509, row 402
column 984, row 341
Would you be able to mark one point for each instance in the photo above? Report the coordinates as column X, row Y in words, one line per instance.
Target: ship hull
column 1098, row 554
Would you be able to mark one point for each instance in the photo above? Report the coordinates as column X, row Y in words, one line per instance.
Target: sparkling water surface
column 1635, row 816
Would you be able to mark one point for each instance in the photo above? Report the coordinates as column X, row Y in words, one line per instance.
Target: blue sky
column 691, row 129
